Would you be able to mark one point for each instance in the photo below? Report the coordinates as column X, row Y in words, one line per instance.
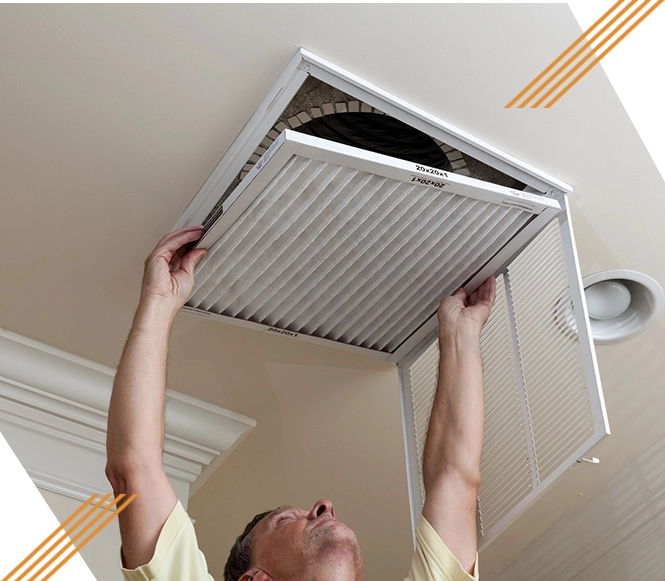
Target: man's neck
column 335, row 568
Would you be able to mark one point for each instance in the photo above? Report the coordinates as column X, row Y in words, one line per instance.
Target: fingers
column 488, row 291
column 173, row 241
column 457, row 298
column 484, row 294
column 460, row 293
column 191, row 259
column 176, row 233
column 177, row 257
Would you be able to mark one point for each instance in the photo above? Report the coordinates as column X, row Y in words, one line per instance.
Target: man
column 287, row 544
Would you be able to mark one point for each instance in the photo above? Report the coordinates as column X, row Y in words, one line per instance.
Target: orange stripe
column 554, row 75
column 79, row 509
column 559, row 83
column 82, row 519
column 106, row 509
column 107, row 521
column 577, row 78
column 541, row 75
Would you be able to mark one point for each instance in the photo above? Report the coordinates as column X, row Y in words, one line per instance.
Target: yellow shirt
column 178, row 557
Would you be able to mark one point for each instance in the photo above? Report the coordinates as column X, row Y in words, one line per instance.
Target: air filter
column 331, row 242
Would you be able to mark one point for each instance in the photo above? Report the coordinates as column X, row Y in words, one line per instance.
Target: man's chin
column 336, row 536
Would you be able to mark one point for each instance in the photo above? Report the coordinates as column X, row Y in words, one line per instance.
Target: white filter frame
column 292, row 143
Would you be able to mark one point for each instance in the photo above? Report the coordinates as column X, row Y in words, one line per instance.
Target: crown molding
column 64, row 486
column 53, row 413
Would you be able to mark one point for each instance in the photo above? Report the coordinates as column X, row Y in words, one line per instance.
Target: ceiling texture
column 113, row 116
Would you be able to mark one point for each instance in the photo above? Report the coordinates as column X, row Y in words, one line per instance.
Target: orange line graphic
column 562, row 79
column 626, row 32
column 573, row 82
column 107, row 521
column 100, row 515
column 562, row 55
column 35, row 554
column 83, row 518
column 554, row 75
column 79, row 509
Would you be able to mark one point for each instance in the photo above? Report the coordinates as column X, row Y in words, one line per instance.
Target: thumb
column 460, row 293
column 191, row 259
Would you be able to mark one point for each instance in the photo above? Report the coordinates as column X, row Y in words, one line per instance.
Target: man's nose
column 322, row 507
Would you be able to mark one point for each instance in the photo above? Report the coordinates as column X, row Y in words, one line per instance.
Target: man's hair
column 240, row 556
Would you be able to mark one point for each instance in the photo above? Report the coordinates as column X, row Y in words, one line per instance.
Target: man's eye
column 281, row 518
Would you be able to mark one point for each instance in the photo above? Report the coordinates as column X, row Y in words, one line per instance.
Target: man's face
column 291, row 543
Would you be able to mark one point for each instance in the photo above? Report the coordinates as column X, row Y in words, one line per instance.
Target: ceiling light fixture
column 621, row 304
column 607, row 299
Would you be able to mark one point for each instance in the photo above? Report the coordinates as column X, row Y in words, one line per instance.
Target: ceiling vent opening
column 380, row 134
column 320, row 110
column 341, row 215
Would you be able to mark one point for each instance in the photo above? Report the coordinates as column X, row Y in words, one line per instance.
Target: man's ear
column 255, row 574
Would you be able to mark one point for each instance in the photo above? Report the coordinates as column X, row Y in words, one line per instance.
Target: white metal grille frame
column 327, row 242
column 544, row 406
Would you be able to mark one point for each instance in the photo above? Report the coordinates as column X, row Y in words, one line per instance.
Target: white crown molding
column 64, row 486
column 53, row 413
column 69, row 488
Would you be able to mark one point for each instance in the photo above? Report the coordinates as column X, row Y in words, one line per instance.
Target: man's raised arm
column 135, row 435
column 451, row 461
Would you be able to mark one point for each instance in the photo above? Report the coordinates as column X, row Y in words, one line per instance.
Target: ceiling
column 113, row 116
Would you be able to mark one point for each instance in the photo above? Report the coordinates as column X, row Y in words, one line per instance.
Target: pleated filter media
column 334, row 252
column 538, row 404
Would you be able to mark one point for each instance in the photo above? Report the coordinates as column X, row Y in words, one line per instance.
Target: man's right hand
column 169, row 269
column 459, row 314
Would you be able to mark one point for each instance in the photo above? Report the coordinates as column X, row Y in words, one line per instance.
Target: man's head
column 289, row 544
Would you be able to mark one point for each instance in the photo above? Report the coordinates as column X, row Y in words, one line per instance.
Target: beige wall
column 329, row 426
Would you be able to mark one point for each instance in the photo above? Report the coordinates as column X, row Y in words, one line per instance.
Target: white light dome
column 620, row 304
column 645, row 304
column 607, row 299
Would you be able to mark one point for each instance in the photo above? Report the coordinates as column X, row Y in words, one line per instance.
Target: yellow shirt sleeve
column 177, row 556
column 433, row 561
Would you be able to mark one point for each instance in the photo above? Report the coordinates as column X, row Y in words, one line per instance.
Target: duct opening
column 320, row 107
column 380, row 134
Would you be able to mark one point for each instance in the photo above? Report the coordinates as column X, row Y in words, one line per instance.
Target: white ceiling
column 112, row 117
